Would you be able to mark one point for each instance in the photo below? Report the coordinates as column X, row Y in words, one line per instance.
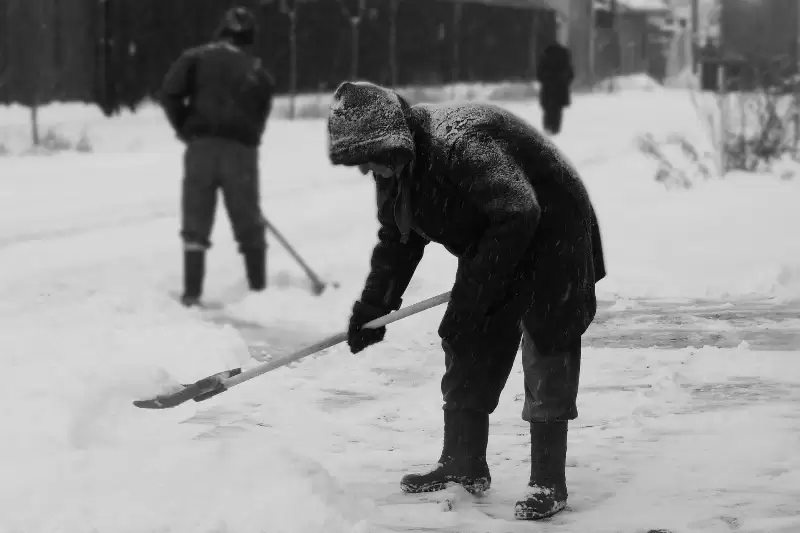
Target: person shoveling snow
column 503, row 199
column 218, row 98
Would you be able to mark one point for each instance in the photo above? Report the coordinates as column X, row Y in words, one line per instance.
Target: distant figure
column 555, row 75
column 218, row 97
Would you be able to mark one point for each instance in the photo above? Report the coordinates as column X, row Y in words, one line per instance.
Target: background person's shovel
column 317, row 285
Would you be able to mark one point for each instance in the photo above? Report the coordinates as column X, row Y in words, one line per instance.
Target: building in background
column 632, row 37
column 759, row 41
column 115, row 52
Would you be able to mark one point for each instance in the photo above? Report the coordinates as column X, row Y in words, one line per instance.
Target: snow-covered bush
column 756, row 131
column 761, row 130
column 753, row 130
column 681, row 164
column 53, row 142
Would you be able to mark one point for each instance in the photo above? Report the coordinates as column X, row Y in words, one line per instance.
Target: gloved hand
column 359, row 338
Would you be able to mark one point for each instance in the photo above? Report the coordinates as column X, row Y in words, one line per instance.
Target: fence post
column 394, row 6
column 455, row 70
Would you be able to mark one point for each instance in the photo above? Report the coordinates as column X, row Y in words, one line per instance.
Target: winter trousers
column 551, row 376
column 552, row 118
column 213, row 164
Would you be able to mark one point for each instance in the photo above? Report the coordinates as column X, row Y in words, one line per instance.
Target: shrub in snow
column 83, row 145
column 753, row 131
column 757, row 131
column 53, row 142
column 763, row 129
column 680, row 163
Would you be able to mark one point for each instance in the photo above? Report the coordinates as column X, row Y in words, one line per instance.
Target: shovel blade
column 199, row 391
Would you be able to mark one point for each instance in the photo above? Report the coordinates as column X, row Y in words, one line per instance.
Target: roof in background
column 654, row 6
column 530, row 4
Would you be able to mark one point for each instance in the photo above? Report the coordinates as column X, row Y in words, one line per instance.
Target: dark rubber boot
column 255, row 264
column 194, row 271
column 547, row 493
column 463, row 460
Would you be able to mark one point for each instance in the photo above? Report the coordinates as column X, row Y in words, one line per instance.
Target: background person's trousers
column 213, row 164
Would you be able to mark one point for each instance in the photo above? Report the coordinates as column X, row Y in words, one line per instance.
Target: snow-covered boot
column 194, row 270
column 255, row 264
column 463, row 459
column 547, row 492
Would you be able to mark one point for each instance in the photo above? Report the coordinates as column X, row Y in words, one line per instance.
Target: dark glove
column 359, row 338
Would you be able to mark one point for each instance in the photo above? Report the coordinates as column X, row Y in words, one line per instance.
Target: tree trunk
column 617, row 44
column 455, row 70
column 36, row 138
column 290, row 8
column 40, row 68
column 354, row 31
column 293, row 61
column 393, row 66
column 355, row 24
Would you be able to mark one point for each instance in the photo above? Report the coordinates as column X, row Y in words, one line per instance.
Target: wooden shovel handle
column 334, row 340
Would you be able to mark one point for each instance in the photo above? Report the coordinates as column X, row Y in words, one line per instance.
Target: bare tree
column 394, row 6
column 457, row 13
column 291, row 9
column 355, row 26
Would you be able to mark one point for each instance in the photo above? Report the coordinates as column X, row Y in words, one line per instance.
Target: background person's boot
column 255, row 264
column 463, row 459
column 547, row 494
column 194, row 269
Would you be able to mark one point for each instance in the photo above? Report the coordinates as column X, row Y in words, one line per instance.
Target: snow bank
column 83, row 458
column 724, row 239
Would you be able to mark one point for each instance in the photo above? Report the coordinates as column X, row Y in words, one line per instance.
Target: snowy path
column 690, row 384
column 659, row 443
column 762, row 324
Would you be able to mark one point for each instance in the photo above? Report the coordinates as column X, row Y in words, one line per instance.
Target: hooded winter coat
column 494, row 192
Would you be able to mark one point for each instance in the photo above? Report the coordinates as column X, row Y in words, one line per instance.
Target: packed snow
column 694, row 436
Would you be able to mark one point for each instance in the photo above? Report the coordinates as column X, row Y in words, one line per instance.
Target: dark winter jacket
column 490, row 189
column 218, row 90
column 555, row 74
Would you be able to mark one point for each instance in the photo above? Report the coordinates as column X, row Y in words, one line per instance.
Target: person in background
column 499, row 196
column 555, row 74
column 218, row 97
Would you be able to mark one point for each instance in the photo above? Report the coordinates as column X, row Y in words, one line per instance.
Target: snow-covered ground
column 691, row 375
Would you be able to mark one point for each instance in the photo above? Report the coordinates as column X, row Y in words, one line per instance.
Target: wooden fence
column 115, row 52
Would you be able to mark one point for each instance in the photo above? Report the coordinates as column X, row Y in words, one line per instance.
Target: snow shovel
column 317, row 284
column 218, row 383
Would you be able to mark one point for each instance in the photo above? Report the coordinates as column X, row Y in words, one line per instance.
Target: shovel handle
column 218, row 383
column 334, row 340
column 318, row 284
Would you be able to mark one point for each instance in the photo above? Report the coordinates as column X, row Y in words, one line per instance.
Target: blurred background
column 114, row 53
